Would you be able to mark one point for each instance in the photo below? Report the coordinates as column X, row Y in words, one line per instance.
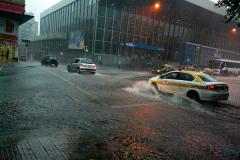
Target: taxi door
column 185, row 82
column 167, row 83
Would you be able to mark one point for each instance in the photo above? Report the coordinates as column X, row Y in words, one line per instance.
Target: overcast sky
column 38, row 6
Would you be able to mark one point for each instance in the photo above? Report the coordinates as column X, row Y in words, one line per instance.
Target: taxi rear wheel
column 193, row 95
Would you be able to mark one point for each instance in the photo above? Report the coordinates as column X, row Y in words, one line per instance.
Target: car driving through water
column 80, row 65
column 49, row 60
column 195, row 85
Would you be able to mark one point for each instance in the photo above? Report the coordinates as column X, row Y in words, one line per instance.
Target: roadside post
column 85, row 50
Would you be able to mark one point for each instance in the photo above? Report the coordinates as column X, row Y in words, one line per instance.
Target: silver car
column 80, row 65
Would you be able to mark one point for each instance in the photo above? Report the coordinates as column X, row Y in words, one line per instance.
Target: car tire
column 68, row 69
column 92, row 72
column 78, row 71
column 193, row 95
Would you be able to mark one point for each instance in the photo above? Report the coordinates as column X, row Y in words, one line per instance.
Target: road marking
column 70, row 83
column 135, row 105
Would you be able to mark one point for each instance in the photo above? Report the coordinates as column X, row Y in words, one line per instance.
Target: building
column 11, row 16
column 27, row 33
column 137, row 31
column 28, row 30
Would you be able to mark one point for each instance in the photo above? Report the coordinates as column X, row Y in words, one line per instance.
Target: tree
column 233, row 10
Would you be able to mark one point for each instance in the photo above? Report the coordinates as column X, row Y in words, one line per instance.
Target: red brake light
column 211, row 87
column 94, row 65
column 81, row 65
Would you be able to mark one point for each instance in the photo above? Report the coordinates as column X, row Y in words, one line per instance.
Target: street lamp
column 157, row 5
column 234, row 30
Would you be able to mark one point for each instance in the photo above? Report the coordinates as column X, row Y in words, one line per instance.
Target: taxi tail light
column 94, row 65
column 211, row 87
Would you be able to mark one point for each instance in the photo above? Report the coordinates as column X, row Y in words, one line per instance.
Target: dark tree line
column 233, row 10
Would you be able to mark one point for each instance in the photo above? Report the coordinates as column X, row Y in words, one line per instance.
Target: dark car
column 163, row 69
column 49, row 61
column 80, row 65
column 186, row 68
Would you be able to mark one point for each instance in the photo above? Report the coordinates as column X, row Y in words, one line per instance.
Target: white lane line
column 69, row 82
column 136, row 105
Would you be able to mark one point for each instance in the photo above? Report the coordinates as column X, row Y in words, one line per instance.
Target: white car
column 80, row 65
column 195, row 85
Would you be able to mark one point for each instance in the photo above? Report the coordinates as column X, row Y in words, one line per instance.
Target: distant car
column 195, row 85
column 49, row 61
column 80, row 65
column 186, row 68
column 163, row 69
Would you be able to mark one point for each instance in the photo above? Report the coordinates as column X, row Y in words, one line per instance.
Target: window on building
column 9, row 27
column 100, row 22
column 101, row 11
column 108, row 35
column 109, row 23
column 99, row 34
column 110, row 12
column 98, row 47
column 106, row 48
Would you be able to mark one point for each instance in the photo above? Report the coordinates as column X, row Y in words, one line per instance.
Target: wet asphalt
column 48, row 113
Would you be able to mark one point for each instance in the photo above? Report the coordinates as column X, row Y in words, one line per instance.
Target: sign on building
column 75, row 40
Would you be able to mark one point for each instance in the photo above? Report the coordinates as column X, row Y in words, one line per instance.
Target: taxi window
column 207, row 78
column 170, row 76
column 185, row 77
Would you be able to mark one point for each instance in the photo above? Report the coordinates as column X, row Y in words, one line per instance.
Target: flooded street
column 48, row 113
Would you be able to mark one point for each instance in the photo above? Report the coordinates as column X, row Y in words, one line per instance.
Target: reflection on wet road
column 48, row 113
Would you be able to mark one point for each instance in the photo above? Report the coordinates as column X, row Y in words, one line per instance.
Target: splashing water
column 144, row 89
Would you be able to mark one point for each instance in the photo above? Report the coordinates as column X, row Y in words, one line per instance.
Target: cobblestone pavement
column 48, row 113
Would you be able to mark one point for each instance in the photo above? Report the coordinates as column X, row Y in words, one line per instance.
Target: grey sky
column 38, row 6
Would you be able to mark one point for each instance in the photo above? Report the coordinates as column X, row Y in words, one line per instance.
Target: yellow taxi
column 195, row 85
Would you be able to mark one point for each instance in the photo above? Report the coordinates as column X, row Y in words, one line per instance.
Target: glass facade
column 168, row 29
column 132, row 29
column 76, row 16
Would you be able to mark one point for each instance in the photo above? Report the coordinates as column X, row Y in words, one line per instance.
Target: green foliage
column 233, row 10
